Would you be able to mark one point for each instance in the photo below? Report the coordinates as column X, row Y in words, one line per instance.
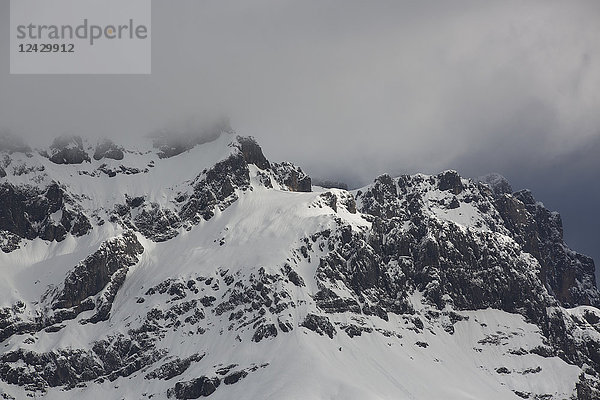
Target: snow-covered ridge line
column 207, row 272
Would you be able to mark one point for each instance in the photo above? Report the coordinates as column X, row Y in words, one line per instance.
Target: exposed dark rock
column 476, row 270
column 450, row 180
column 330, row 199
column 118, row 356
column 207, row 301
column 57, row 368
column 568, row 275
column 518, row 352
column 535, row 370
column 6, row 396
column 355, row 330
column 196, row 388
column 24, row 169
column 216, row 188
column 12, row 322
column 498, row 184
column 512, row 258
column 292, row 177
column 471, row 255
column 54, row 328
column 94, row 273
column 257, row 296
column 587, row 388
column 353, row 261
column 156, row 223
column 381, row 199
column 293, row 276
column 263, row 332
column 28, row 212
column 319, row 324
column 68, row 150
column 225, row 370
column 454, row 203
column 329, row 302
column 265, row 179
column 104, row 303
column 417, row 322
column 173, row 368
column 151, row 220
column 252, row 152
column 234, row 377
column 350, row 204
column 108, row 149
column 112, row 172
column 523, row 395
column 285, row 326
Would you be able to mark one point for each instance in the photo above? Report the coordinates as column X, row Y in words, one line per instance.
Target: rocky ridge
column 407, row 260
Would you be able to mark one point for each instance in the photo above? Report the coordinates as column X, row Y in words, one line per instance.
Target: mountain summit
column 195, row 267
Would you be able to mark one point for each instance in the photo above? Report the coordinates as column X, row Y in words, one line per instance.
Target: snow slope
column 275, row 293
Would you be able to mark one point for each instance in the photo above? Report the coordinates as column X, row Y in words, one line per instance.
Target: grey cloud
column 351, row 89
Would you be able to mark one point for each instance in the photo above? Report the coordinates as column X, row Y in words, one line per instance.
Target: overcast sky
column 351, row 89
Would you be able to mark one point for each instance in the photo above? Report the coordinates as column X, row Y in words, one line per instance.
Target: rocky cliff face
column 210, row 269
column 29, row 212
column 444, row 222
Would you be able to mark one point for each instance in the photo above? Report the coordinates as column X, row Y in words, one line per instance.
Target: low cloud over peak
column 351, row 89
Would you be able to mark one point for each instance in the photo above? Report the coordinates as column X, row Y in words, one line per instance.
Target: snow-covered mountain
column 194, row 267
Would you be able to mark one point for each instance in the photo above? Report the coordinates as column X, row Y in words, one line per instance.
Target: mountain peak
column 193, row 267
column 497, row 183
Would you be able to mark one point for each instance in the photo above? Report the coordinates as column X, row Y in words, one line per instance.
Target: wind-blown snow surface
column 232, row 292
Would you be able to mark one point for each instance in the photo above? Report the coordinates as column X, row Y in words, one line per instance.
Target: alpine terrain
column 193, row 266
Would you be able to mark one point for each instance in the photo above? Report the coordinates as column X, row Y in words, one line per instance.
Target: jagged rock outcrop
column 199, row 387
column 157, row 224
column 234, row 264
column 469, row 264
column 450, row 180
column 497, row 183
column 216, row 187
column 319, row 324
column 91, row 285
column 29, row 212
column 150, row 219
column 292, row 177
column 107, row 265
column 108, row 149
column 174, row 368
column 569, row 275
column 252, row 152
column 118, row 356
column 68, row 150
column 531, row 225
